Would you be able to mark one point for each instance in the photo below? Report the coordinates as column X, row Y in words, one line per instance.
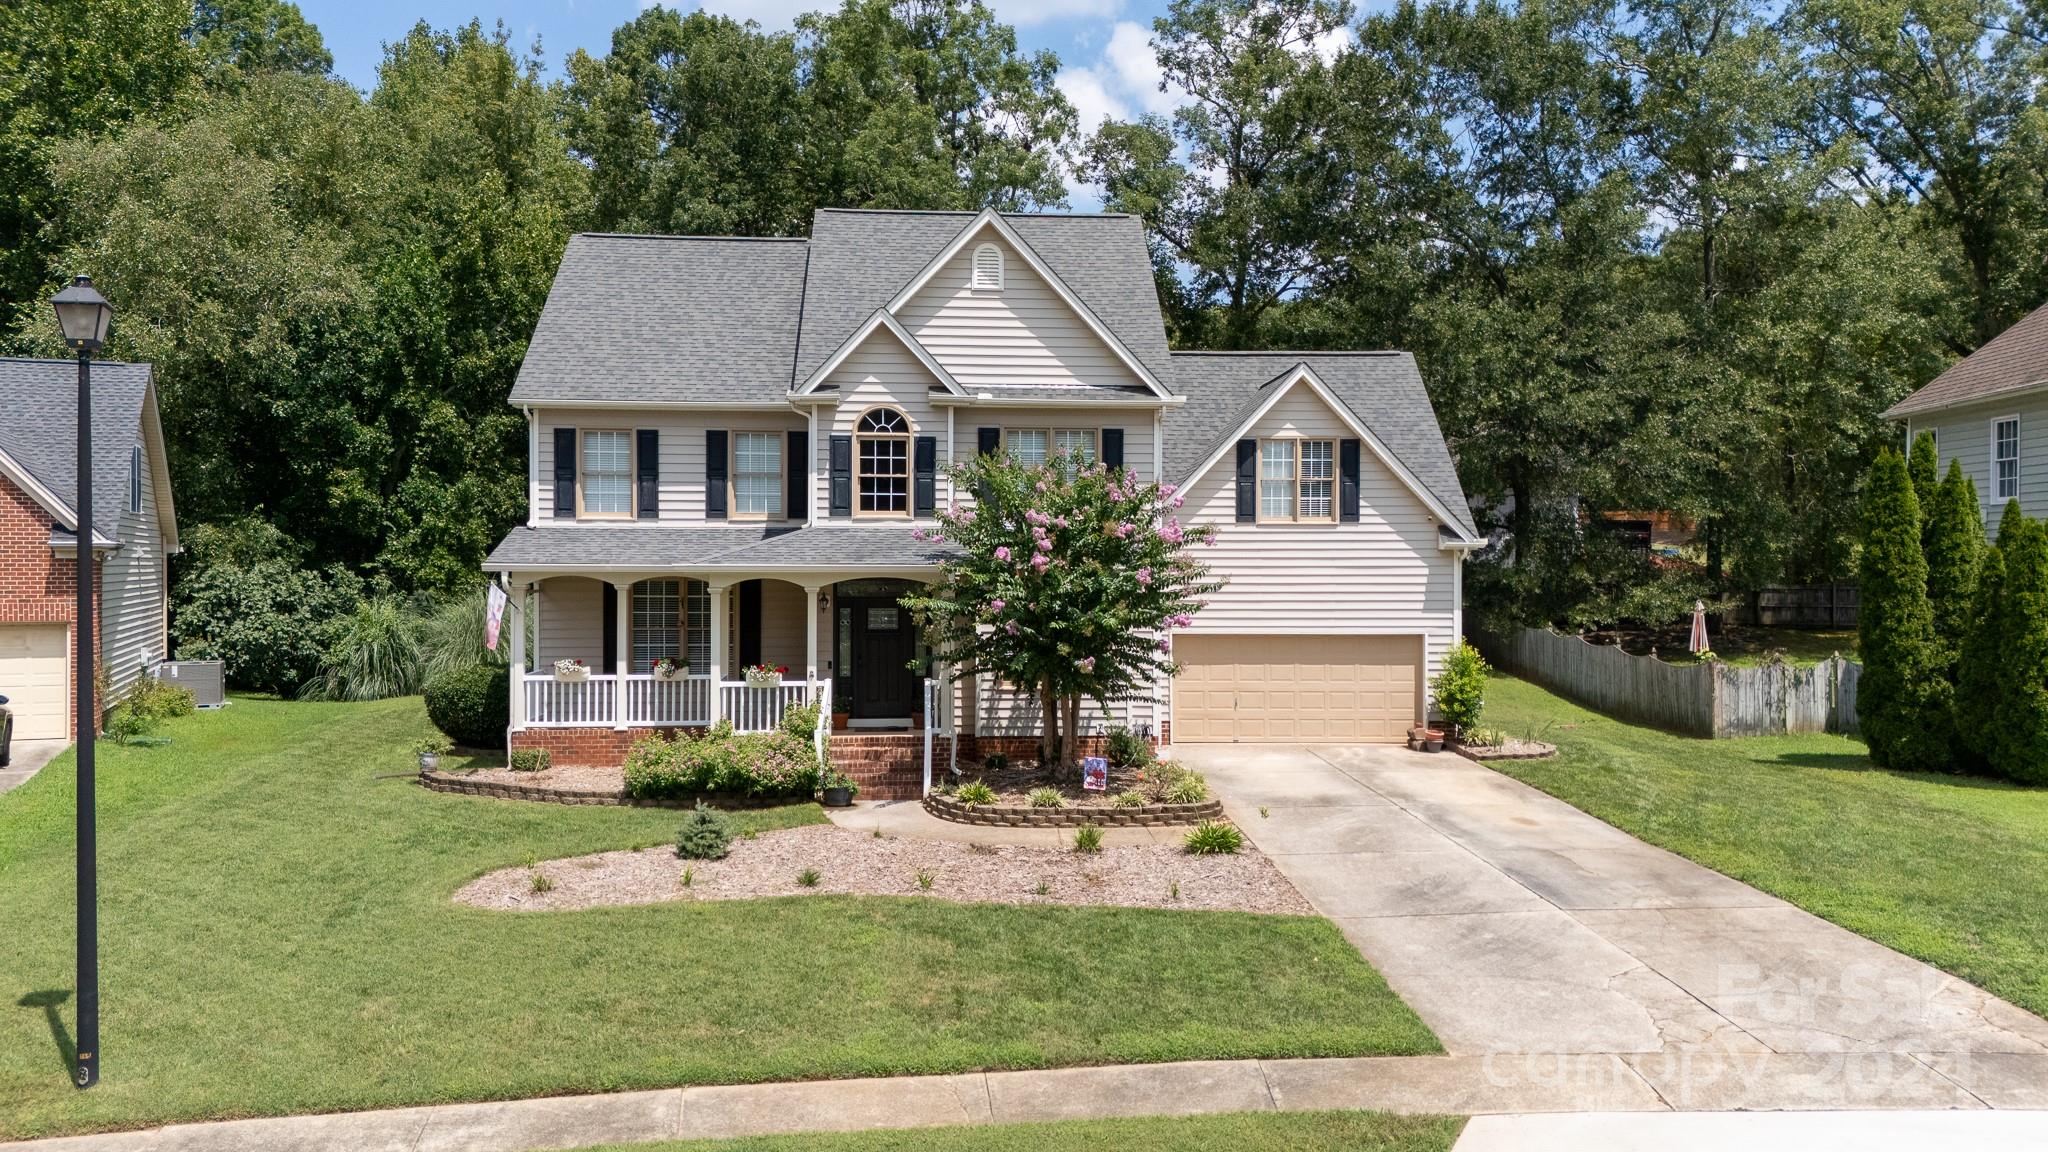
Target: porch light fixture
column 84, row 316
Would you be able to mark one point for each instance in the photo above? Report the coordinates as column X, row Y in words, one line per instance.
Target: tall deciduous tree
column 1903, row 701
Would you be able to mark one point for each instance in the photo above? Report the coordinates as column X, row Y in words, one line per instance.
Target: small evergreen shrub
column 473, row 705
column 1923, row 464
column 1047, row 798
column 1213, row 838
column 532, row 760
column 2019, row 737
column 1127, row 749
column 1980, row 679
column 1088, row 839
column 975, row 792
column 995, row 762
column 707, row 834
column 1459, row 689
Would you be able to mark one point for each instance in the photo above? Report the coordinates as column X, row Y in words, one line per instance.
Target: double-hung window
column 672, row 619
column 1297, row 480
column 1032, row 446
column 882, row 443
column 757, row 475
column 2005, row 458
column 607, row 473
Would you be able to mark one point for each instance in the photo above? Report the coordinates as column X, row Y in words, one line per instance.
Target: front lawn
column 1234, row 1132
column 278, row 937
column 1951, row 869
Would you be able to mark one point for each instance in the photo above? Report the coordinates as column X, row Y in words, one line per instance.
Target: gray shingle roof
column 39, row 428
column 667, row 319
column 2015, row 358
column 1383, row 390
column 624, row 546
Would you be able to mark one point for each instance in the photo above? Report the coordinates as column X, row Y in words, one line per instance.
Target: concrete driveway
column 1515, row 924
column 26, row 758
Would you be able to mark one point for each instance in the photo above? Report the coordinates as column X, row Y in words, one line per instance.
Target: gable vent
column 988, row 268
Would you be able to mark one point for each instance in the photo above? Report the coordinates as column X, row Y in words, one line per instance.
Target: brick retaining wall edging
column 460, row 785
column 1011, row 816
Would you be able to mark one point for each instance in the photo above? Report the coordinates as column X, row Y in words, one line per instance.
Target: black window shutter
column 565, row 472
column 987, row 440
column 611, row 630
column 647, row 468
column 842, row 476
column 1112, row 447
column 714, row 474
column 797, row 473
column 1247, row 481
column 750, row 623
column 924, row 473
column 1347, row 488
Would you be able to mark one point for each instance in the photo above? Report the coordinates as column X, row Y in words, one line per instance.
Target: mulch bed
column 566, row 778
column 1514, row 748
column 1013, row 785
column 851, row 862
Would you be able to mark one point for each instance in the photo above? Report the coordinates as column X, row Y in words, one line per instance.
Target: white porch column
column 811, row 637
column 623, row 630
column 515, row 618
column 716, row 592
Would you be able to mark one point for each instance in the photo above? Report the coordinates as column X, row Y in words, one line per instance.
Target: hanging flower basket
column 765, row 676
column 667, row 669
column 572, row 671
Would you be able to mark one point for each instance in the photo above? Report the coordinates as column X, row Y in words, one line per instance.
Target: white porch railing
column 821, row 733
column 753, row 708
column 938, row 721
column 650, row 703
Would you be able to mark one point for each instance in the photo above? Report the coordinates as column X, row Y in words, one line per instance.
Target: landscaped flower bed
column 576, row 785
column 1155, row 792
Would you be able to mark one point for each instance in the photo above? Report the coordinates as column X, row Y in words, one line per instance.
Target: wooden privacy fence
column 1829, row 606
column 1714, row 700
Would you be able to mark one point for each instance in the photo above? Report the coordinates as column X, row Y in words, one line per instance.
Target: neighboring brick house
column 134, row 534
column 732, row 442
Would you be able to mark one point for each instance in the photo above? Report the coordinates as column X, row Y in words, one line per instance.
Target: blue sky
column 1106, row 65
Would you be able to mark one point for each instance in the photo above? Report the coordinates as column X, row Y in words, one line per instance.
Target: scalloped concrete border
column 460, row 785
column 1484, row 755
column 1014, row 816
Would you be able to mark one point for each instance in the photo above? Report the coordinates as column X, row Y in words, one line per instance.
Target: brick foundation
column 590, row 747
column 36, row 585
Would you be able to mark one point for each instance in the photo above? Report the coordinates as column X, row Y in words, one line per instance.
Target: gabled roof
column 39, row 438
column 2016, row 360
column 1381, row 391
column 627, row 547
column 667, row 320
column 882, row 320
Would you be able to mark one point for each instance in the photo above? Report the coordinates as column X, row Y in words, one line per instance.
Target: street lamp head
column 83, row 314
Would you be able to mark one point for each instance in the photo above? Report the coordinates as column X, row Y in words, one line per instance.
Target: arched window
column 988, row 268
column 882, row 451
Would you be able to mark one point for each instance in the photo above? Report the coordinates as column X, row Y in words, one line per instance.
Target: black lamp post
column 83, row 315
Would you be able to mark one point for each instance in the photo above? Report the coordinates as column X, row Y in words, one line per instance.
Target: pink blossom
column 1165, row 645
column 1144, row 577
column 1041, row 561
column 1059, row 521
column 1011, row 627
column 1086, row 663
column 1180, row 620
column 1177, row 501
column 917, row 534
column 996, row 605
column 1003, row 553
column 1167, row 489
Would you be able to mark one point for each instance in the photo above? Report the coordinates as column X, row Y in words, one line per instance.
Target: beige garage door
column 1296, row 689
column 32, row 677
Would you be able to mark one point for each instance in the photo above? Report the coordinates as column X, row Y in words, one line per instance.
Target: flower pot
column 838, row 797
column 429, row 761
column 917, row 721
column 572, row 675
column 840, row 721
column 1432, row 745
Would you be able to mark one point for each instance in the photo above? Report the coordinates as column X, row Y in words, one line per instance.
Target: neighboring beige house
column 135, row 531
column 733, row 440
column 1990, row 411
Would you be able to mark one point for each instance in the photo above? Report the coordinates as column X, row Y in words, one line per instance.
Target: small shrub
column 1213, row 838
column 801, row 720
column 1088, row 838
column 1485, row 737
column 757, row 764
column 689, row 876
column 926, row 878
column 124, row 725
column 707, row 834
column 540, row 883
column 375, row 655
column 808, row 878
column 472, row 705
column 976, row 792
column 158, row 699
column 1129, row 798
column 1043, row 889
column 1173, row 890
column 532, row 760
column 1047, row 798
column 433, row 745
column 1460, row 688
column 1127, row 749
column 995, row 762
column 1187, row 788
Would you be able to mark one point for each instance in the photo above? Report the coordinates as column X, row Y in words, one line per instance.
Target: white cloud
column 1332, row 42
column 1085, row 90
column 1121, row 83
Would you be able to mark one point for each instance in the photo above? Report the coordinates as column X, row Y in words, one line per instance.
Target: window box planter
column 762, row 676
column 571, row 671
column 668, row 671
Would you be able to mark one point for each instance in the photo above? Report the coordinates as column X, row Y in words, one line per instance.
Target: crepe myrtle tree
column 1069, row 577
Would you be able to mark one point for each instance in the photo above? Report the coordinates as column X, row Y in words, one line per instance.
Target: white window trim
column 2016, row 471
column 632, row 474
column 909, row 438
column 1259, row 493
column 732, row 475
column 1094, row 434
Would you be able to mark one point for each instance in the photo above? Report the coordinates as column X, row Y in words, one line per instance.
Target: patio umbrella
column 1698, row 643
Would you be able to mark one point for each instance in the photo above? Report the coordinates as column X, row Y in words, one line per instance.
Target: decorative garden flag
column 494, row 614
column 1095, row 773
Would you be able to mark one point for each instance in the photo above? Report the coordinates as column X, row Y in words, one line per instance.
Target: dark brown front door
column 884, row 645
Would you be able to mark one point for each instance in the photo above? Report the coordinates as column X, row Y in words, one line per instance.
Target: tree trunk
column 1070, row 723
column 1048, row 727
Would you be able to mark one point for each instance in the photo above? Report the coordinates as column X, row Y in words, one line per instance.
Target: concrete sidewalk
column 1759, row 1132
column 1514, row 923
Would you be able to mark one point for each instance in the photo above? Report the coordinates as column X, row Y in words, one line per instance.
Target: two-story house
column 733, row 442
column 1990, row 411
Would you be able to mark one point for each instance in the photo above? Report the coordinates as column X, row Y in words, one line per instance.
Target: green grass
column 1236, row 1132
column 278, row 937
column 1951, row 869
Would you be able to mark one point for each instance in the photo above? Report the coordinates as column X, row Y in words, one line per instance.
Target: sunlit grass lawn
column 1951, row 869
column 278, row 937
column 1242, row 1132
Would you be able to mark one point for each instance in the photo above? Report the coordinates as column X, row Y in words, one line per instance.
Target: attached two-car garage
column 1296, row 689
column 33, row 668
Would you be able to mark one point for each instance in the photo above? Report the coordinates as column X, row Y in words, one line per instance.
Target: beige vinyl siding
column 1383, row 575
column 1023, row 334
column 132, row 589
column 881, row 372
column 1139, row 431
column 1964, row 433
column 682, row 455
column 571, row 622
column 782, row 626
column 1005, row 712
